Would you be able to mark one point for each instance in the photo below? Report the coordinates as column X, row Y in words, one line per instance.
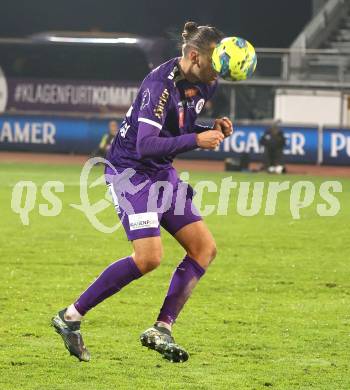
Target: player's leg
column 200, row 248
column 146, row 256
column 198, row 243
column 191, row 232
column 147, row 253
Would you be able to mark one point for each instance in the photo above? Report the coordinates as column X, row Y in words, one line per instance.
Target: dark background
column 266, row 23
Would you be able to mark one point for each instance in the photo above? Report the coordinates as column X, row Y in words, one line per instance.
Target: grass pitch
column 271, row 312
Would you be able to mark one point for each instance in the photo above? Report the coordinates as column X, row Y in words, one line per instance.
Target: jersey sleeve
column 197, row 128
column 149, row 144
column 154, row 103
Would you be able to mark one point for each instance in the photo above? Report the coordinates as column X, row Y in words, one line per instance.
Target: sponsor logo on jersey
column 143, row 220
column 159, row 110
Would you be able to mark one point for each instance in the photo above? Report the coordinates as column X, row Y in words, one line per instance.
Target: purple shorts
column 144, row 202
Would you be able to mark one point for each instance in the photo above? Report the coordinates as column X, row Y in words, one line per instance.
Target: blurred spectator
column 106, row 140
column 273, row 141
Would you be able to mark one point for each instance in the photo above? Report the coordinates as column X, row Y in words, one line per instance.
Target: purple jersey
column 167, row 105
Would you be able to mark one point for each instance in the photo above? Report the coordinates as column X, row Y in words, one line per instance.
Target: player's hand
column 209, row 139
column 224, row 125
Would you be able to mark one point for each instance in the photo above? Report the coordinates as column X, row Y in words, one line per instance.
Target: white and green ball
column 234, row 59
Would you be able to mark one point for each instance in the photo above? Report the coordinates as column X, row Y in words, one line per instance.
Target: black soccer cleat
column 160, row 339
column 70, row 333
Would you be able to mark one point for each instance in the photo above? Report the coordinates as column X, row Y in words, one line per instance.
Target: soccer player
column 159, row 125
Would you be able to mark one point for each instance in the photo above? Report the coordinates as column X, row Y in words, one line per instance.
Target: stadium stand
column 321, row 51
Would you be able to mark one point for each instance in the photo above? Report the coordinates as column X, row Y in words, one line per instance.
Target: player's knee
column 204, row 253
column 147, row 262
column 153, row 262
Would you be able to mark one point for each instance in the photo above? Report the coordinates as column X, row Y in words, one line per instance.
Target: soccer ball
column 234, row 59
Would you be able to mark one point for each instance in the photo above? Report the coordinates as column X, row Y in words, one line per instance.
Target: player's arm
column 154, row 106
column 150, row 144
column 222, row 124
column 201, row 128
column 153, row 109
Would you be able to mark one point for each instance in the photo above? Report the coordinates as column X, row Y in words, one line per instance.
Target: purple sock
column 113, row 278
column 185, row 277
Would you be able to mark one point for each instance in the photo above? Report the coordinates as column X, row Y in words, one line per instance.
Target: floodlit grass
column 271, row 312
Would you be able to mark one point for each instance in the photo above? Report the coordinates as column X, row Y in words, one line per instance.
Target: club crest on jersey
column 146, row 96
column 158, row 111
column 199, row 105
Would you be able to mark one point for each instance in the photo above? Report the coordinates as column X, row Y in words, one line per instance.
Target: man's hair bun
column 190, row 28
column 199, row 37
